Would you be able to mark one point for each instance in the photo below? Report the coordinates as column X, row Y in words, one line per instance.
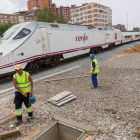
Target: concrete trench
column 60, row 131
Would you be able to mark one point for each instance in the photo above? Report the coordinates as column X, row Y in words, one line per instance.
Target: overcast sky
column 119, row 8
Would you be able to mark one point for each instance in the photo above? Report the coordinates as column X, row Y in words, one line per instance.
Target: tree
column 62, row 20
column 46, row 15
column 4, row 27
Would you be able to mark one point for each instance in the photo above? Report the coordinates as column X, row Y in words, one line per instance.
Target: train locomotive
column 32, row 44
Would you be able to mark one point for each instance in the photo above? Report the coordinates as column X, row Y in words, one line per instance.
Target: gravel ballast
column 113, row 107
column 83, row 62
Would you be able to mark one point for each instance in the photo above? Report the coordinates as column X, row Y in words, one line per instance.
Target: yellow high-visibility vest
column 23, row 82
column 96, row 66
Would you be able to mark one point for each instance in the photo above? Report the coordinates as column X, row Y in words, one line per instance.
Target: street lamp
column 127, row 21
column 133, row 26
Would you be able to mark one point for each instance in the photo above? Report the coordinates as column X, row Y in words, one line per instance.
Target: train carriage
column 32, row 44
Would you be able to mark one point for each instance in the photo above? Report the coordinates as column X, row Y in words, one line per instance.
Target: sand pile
column 132, row 49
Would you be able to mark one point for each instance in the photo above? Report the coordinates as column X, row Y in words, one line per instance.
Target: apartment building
column 38, row 4
column 121, row 27
column 16, row 18
column 8, row 18
column 63, row 12
column 91, row 14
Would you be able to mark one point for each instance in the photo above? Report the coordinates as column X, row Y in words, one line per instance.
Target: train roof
column 73, row 27
column 70, row 27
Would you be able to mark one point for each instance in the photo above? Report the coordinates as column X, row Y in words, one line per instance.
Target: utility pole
column 133, row 26
column 127, row 22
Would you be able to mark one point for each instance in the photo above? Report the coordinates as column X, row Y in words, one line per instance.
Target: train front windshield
column 10, row 32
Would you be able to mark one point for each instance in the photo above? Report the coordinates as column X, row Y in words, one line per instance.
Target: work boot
column 18, row 122
column 29, row 118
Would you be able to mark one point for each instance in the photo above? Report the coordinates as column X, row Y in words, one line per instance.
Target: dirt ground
column 132, row 49
column 114, row 107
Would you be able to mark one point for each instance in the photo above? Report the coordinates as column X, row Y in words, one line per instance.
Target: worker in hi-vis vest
column 22, row 81
column 94, row 70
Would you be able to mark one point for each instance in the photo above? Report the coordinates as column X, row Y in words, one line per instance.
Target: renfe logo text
column 82, row 38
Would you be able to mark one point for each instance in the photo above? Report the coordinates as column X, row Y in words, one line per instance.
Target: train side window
column 128, row 36
column 24, row 32
column 137, row 35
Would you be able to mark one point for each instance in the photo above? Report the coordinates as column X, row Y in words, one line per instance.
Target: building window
column 30, row 18
column 34, row 18
column 1, row 20
column 1, row 16
column 101, row 16
column 5, row 16
column 107, row 21
column 74, row 11
column 92, row 20
column 91, row 11
column 92, row 16
column 79, row 10
column 101, row 20
column 83, row 17
column 106, row 12
column 101, row 6
column 83, row 13
column 12, row 21
column 26, row 17
column 15, row 17
column 6, row 21
column 101, row 24
column 83, row 8
column 15, row 21
column 75, row 15
column 91, row 6
column 84, row 21
column 75, row 20
column 11, row 17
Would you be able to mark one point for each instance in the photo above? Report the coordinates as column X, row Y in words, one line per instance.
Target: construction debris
column 62, row 98
column 9, row 134
column 67, row 78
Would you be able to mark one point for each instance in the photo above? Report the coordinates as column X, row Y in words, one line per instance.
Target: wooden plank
column 10, row 133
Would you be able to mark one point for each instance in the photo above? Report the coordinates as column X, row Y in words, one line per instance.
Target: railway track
column 6, row 82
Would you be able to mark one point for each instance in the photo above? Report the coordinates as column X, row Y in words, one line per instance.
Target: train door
column 45, row 41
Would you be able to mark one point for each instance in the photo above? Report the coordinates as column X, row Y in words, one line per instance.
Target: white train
column 32, row 44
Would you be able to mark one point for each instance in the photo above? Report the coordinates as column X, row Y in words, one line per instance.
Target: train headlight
column 1, row 54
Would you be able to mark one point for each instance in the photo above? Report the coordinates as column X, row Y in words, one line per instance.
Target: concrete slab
column 90, row 130
column 6, row 115
column 60, row 96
